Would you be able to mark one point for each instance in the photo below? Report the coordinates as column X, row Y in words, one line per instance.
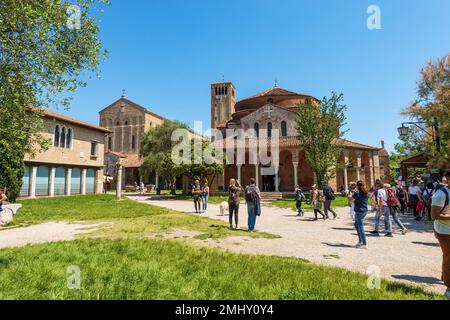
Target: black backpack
column 250, row 195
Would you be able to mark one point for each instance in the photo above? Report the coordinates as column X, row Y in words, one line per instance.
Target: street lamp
column 403, row 131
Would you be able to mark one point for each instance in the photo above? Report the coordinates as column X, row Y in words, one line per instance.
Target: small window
column 126, row 123
column 94, row 148
column 69, row 138
column 118, row 123
column 56, row 136
column 283, row 129
column 133, row 142
column 62, row 143
column 109, row 143
column 257, row 129
column 269, row 129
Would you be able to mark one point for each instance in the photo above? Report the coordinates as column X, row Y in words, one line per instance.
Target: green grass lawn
column 124, row 263
column 164, row 269
column 128, row 218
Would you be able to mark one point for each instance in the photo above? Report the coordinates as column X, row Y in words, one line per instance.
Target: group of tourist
column 200, row 193
column 430, row 200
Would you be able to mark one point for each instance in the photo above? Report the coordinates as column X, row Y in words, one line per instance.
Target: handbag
column 419, row 207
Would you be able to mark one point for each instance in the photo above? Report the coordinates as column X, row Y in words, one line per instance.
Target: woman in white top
column 415, row 196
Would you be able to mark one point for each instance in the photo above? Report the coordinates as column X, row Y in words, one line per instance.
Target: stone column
column 358, row 165
column 295, row 173
column 119, row 181
column 257, row 175
column 83, row 181
column 68, row 181
column 346, row 155
column 372, row 179
column 376, row 165
column 51, row 191
column 99, row 174
column 277, row 187
column 156, row 180
column 33, row 181
column 239, row 172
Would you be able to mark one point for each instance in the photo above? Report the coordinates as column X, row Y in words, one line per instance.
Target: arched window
column 133, row 142
column 283, row 129
column 257, row 129
column 110, row 143
column 56, row 136
column 69, row 138
column 269, row 129
column 62, row 144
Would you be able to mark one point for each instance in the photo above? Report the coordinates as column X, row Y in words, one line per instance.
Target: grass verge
column 162, row 269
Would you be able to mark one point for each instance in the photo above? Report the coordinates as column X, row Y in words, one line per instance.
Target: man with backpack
column 394, row 205
column 440, row 213
column 328, row 194
column 299, row 198
column 253, row 200
column 382, row 210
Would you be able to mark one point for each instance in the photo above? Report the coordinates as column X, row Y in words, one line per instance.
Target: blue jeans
column 359, row 225
column 386, row 211
column 251, row 217
column 394, row 214
column 205, row 201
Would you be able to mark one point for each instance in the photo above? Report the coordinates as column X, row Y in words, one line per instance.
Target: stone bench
column 8, row 213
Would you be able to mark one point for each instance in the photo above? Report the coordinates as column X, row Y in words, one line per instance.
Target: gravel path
column 42, row 233
column 412, row 258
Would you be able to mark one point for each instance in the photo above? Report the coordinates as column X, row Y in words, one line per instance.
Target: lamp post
column 403, row 131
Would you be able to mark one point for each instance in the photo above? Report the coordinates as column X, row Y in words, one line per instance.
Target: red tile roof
column 58, row 116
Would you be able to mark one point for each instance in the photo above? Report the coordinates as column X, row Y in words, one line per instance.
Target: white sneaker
column 359, row 245
column 364, row 247
column 447, row 294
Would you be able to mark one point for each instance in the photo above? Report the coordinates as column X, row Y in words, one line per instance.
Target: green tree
column 46, row 47
column 432, row 106
column 156, row 151
column 320, row 129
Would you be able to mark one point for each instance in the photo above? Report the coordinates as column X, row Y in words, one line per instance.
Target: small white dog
column 223, row 208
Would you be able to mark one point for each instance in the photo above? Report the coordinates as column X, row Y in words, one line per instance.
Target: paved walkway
column 412, row 258
column 42, row 233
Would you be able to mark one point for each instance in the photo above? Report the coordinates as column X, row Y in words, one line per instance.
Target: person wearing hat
column 382, row 210
column 317, row 203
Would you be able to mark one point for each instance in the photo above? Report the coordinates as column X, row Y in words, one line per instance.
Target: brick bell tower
column 223, row 101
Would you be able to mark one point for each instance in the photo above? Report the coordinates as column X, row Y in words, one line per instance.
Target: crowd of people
column 424, row 200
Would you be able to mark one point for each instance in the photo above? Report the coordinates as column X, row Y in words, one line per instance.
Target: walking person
column 360, row 198
column 253, row 200
column 440, row 212
column 401, row 195
column 382, row 210
column 351, row 200
column 316, row 201
column 427, row 198
column 394, row 203
column 205, row 196
column 234, row 190
column 196, row 194
column 299, row 198
column 329, row 196
column 415, row 197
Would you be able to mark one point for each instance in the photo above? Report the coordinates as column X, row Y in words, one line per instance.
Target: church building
column 275, row 109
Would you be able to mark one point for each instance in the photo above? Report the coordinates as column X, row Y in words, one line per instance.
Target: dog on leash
column 223, row 208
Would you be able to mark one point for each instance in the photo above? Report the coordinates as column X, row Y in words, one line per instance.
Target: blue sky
column 165, row 53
